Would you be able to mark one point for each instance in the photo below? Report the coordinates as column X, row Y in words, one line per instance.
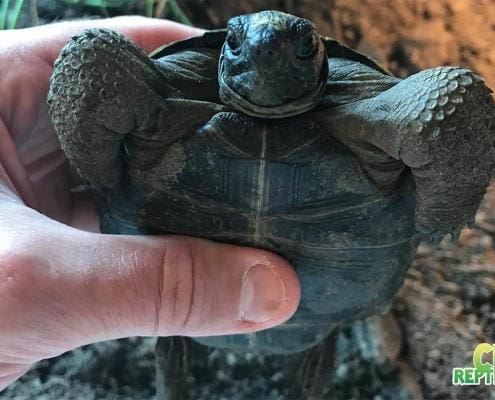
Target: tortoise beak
column 235, row 91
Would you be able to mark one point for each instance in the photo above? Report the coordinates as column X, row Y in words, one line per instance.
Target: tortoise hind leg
column 316, row 369
column 172, row 368
column 185, row 366
column 102, row 89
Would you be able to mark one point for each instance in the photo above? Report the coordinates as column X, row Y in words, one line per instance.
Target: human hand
column 63, row 284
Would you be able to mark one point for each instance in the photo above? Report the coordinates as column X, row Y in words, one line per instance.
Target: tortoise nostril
column 263, row 51
column 265, row 46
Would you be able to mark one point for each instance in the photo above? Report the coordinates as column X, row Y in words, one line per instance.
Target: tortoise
column 269, row 135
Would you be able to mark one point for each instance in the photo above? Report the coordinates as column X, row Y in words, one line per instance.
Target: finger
column 12, row 368
column 149, row 33
column 6, row 380
column 82, row 287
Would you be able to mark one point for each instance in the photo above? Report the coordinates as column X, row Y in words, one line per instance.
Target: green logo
column 483, row 371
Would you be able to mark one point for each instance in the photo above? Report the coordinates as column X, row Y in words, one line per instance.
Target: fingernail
column 262, row 294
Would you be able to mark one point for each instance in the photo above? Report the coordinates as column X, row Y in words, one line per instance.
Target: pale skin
column 62, row 283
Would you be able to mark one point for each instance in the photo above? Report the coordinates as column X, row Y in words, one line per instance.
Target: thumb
column 196, row 287
column 88, row 287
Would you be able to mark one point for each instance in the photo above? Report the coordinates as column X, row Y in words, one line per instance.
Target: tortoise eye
column 233, row 43
column 307, row 46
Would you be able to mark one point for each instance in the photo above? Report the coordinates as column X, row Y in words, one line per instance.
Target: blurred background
column 447, row 305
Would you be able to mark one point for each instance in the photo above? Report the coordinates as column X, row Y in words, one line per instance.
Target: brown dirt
column 406, row 35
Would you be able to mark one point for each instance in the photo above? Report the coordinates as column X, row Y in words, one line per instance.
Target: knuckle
column 19, row 274
column 23, row 292
column 180, row 291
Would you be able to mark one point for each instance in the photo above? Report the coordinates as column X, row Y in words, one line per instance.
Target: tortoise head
column 273, row 65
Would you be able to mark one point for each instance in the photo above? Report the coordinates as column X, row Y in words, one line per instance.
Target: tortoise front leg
column 441, row 124
column 103, row 89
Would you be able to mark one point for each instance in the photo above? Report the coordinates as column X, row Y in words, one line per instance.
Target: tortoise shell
column 283, row 185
